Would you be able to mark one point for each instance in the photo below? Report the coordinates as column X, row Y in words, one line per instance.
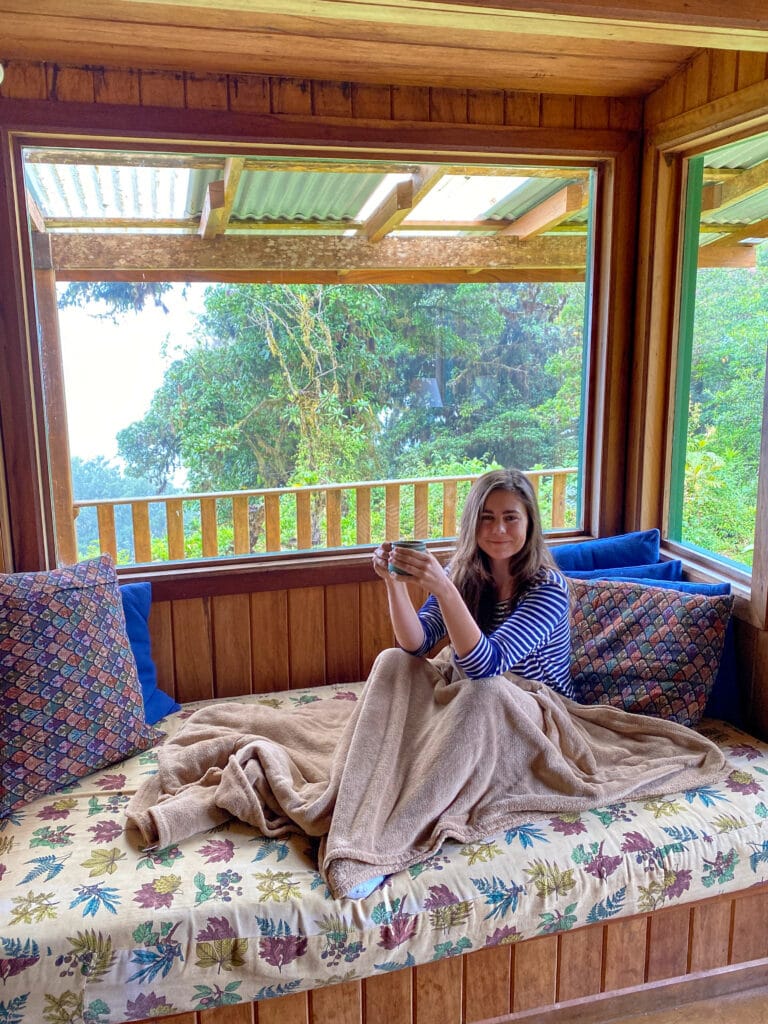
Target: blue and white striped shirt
column 532, row 640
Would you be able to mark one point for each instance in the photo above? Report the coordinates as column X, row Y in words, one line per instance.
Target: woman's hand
column 381, row 561
column 421, row 567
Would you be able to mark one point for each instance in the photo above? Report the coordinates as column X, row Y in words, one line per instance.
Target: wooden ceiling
column 582, row 47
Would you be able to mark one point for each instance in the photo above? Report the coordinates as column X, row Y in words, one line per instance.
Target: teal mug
column 414, row 545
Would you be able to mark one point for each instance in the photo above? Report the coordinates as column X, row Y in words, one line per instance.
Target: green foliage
column 118, row 296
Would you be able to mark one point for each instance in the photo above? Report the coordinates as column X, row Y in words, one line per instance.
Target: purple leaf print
column 602, row 866
column 2, row 870
column 19, row 957
column 279, row 950
column 111, row 782
column 440, row 896
column 51, row 812
column 399, row 930
column 105, row 831
column 503, row 936
column 217, row 928
column 681, row 884
column 345, row 695
column 745, row 750
column 566, row 827
column 149, row 897
column 742, row 782
column 217, row 851
column 147, row 1006
column 636, row 842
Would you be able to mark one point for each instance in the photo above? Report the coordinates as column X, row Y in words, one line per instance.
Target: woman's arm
column 423, row 568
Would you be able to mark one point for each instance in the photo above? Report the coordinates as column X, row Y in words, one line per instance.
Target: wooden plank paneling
column 162, row 88
column 269, row 632
column 723, row 68
column 338, row 1003
column 70, row 84
column 697, row 82
column 206, row 92
column 243, row 1013
column 116, row 85
column 375, row 626
column 438, row 992
column 249, row 94
column 448, row 105
column 410, row 103
column 291, row 96
column 487, row 983
column 232, row 645
column 580, row 962
column 522, row 109
column 306, row 636
column 388, row 998
column 161, row 641
column 24, row 81
column 751, row 69
column 534, row 973
column 290, row 1009
column 624, row 953
column 371, row 101
column 558, row 111
column 342, row 633
column 750, row 928
column 667, row 954
column 332, row 99
column 485, row 106
column 192, row 649
column 710, row 935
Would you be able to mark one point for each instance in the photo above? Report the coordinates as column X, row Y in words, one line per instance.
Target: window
column 722, row 353
column 267, row 354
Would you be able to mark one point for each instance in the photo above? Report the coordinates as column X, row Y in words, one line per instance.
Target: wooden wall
column 721, row 95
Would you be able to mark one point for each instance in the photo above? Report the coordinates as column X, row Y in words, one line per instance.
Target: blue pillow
column 640, row 548
column 137, row 598
column 671, row 570
column 688, row 587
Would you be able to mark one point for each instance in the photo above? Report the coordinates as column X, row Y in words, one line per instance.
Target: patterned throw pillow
column 648, row 650
column 69, row 691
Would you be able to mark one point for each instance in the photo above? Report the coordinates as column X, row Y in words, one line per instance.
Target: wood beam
column 734, row 256
column 171, row 257
column 220, row 198
column 36, row 218
column 548, row 213
column 757, row 230
column 402, row 201
column 746, row 184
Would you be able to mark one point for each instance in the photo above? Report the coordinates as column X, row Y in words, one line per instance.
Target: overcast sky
column 111, row 371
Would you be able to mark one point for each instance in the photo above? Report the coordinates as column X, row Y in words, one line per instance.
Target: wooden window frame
column 613, row 154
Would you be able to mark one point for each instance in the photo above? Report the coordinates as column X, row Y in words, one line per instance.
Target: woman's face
column 502, row 526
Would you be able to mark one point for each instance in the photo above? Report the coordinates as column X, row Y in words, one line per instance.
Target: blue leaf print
column 13, row 1011
column 707, row 794
column 95, row 897
column 608, row 907
column 154, row 962
column 444, row 949
column 269, row 846
column 49, row 866
column 393, row 965
column 271, row 991
column 97, row 1013
column 499, row 897
column 527, row 834
column 680, row 834
column 760, row 856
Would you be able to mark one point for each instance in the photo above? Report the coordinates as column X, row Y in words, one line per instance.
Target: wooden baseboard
column 659, row 995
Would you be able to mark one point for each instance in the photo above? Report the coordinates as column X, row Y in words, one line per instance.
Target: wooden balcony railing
column 233, row 523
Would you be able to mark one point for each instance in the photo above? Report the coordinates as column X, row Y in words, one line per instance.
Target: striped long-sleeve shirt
column 532, row 640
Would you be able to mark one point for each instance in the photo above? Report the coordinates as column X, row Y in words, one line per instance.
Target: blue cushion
column 671, row 570
column 137, row 599
column 688, row 587
column 640, row 548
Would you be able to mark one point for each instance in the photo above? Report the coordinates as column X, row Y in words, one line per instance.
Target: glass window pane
column 722, row 357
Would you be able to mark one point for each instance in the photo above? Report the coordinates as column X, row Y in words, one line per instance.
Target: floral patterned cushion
column 648, row 650
column 69, row 690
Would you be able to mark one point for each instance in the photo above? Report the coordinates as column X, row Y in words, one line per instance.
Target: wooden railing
column 232, row 523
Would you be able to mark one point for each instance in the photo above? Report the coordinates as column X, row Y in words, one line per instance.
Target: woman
column 501, row 602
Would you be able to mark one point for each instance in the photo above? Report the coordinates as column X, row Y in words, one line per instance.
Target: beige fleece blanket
column 423, row 756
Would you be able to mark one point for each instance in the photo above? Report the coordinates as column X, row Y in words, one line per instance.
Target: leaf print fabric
column 231, row 916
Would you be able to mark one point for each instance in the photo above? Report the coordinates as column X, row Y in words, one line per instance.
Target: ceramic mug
column 414, row 545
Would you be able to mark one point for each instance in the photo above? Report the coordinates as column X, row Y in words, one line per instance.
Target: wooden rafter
column 36, row 218
column 549, row 213
column 401, row 201
column 220, row 199
column 737, row 256
column 737, row 235
column 738, row 187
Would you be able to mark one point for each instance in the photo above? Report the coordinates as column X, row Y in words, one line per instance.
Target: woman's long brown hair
column 470, row 569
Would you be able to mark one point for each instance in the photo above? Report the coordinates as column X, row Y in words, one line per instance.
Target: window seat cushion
column 229, row 916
